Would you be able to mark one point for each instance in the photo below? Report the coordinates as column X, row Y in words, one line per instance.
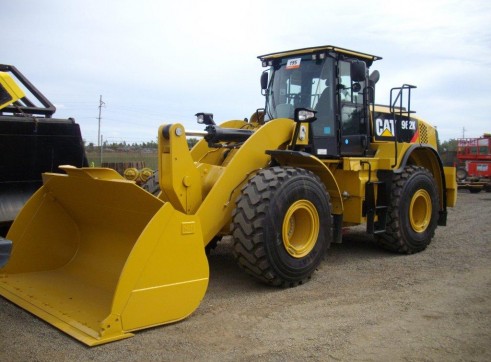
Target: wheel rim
column 300, row 228
column 420, row 211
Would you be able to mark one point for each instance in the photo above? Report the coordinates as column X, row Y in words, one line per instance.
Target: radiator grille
column 423, row 133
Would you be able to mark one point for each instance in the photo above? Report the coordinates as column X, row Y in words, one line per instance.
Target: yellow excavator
column 99, row 257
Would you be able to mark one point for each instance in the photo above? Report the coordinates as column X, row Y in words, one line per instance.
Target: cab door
column 352, row 111
column 323, row 95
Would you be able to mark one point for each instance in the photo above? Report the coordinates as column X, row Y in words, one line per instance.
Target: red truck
column 474, row 163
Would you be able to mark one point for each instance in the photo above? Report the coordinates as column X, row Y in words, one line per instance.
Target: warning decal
column 293, row 63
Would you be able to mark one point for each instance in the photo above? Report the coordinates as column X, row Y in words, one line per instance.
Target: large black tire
column 413, row 212
column 282, row 226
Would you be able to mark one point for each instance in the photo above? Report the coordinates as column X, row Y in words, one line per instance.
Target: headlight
column 305, row 115
column 205, row 118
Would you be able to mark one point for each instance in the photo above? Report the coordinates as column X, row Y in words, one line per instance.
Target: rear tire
column 282, row 226
column 461, row 174
column 475, row 190
column 413, row 212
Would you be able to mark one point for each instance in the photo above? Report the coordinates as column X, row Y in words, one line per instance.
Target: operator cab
column 331, row 81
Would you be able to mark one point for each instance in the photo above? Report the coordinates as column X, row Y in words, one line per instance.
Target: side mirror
column 358, row 71
column 264, row 80
column 372, row 80
column 374, row 77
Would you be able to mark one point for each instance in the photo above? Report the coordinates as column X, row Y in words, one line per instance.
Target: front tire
column 282, row 226
column 413, row 212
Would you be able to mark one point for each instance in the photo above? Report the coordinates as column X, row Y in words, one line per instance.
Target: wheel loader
column 99, row 257
column 31, row 142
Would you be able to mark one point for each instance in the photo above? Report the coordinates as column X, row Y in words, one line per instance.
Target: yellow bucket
column 98, row 257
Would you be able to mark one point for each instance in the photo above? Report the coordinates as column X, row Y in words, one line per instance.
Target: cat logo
column 384, row 127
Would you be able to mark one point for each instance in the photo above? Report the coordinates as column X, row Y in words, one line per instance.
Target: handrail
column 25, row 105
column 392, row 105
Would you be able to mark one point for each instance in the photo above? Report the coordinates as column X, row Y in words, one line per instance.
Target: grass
column 138, row 159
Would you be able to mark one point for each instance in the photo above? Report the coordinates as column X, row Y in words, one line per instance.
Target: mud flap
column 98, row 257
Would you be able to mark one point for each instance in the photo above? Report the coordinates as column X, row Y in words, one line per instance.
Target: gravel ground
column 364, row 304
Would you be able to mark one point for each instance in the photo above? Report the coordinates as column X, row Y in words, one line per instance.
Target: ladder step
column 377, row 207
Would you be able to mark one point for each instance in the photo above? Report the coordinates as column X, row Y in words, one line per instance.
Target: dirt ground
column 364, row 304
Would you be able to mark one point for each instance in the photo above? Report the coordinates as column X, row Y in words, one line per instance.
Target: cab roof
column 320, row 49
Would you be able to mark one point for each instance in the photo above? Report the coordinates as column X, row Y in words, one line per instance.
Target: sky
column 156, row 62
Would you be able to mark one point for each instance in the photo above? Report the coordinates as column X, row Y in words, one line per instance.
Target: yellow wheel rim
column 300, row 228
column 420, row 210
column 131, row 174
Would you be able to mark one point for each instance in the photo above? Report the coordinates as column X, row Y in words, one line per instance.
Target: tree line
column 445, row 146
column 126, row 146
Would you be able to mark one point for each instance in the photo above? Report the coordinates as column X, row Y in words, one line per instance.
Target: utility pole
column 101, row 104
column 463, row 132
column 102, row 146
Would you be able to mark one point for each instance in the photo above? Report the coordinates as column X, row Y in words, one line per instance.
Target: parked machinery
column 99, row 257
column 31, row 142
column 474, row 167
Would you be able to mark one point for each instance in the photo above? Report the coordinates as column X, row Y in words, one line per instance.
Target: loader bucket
column 98, row 257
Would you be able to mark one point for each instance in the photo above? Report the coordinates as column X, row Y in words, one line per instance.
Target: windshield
column 298, row 82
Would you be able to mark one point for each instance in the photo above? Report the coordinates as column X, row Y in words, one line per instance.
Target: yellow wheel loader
column 99, row 257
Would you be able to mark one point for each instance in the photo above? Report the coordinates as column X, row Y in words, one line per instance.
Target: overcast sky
column 158, row 62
